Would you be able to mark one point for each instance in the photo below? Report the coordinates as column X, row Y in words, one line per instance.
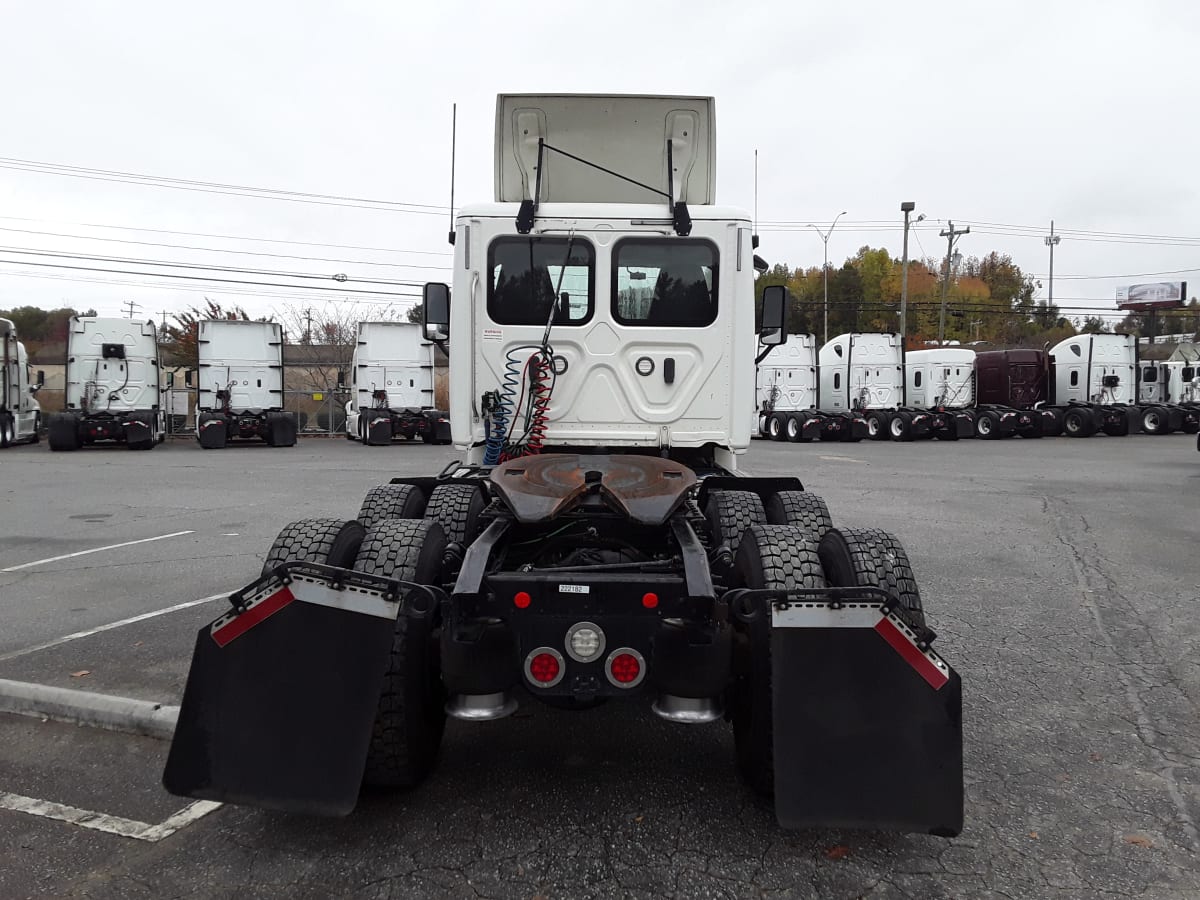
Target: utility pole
column 162, row 329
column 1051, row 242
column 131, row 306
column 951, row 235
column 308, row 325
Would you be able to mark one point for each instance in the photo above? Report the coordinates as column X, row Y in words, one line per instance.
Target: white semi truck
column 391, row 387
column 20, row 413
column 595, row 541
column 113, row 386
column 868, row 387
column 786, row 383
column 239, row 390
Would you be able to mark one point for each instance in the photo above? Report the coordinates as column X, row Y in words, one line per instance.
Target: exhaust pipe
column 481, row 707
column 688, row 710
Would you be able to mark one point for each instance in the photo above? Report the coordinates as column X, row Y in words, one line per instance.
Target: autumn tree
column 37, row 326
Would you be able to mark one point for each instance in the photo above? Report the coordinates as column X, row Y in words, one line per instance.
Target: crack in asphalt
column 1144, row 726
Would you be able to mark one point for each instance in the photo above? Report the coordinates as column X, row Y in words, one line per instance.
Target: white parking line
column 42, row 562
column 85, row 818
column 13, row 654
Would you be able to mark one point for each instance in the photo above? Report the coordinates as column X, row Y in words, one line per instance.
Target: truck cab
column 636, row 325
column 20, row 413
column 113, row 386
column 786, row 387
column 391, row 386
column 1095, row 368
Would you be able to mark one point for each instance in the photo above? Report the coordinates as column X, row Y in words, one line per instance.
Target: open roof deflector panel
column 627, row 134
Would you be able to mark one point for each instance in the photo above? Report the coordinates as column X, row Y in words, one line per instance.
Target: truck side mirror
column 776, row 302
column 341, row 378
column 187, row 377
column 435, row 312
column 170, row 379
column 41, row 378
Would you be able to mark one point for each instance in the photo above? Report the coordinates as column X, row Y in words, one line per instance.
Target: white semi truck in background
column 20, row 413
column 391, row 387
column 1083, row 385
column 113, row 386
column 240, row 384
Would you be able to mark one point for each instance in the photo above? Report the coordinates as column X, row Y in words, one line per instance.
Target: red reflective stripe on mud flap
column 239, row 625
column 912, row 653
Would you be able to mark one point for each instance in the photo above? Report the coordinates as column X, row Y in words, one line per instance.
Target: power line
column 220, row 291
column 357, row 262
column 203, row 267
column 228, row 237
column 313, row 287
column 215, row 187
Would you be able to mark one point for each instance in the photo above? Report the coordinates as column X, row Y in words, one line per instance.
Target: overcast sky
column 1008, row 113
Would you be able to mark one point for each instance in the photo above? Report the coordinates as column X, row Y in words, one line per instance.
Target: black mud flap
column 867, row 724
column 282, row 695
column 212, row 434
column 137, row 431
column 283, row 430
column 379, row 431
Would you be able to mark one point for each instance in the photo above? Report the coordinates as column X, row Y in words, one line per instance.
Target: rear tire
column 773, row 557
column 877, row 426
column 775, row 427
column 802, row 510
column 730, row 513
column 391, row 501
column 987, row 426
column 794, row 429
column 411, row 716
column 331, row 542
column 900, row 428
column 869, row 557
column 456, row 507
column 63, row 432
column 1076, row 423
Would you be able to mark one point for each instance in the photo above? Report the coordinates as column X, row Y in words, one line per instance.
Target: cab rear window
column 664, row 282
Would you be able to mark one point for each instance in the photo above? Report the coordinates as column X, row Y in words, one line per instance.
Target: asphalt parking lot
column 1061, row 576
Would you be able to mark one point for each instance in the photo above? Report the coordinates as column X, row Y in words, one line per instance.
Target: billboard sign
column 1153, row 295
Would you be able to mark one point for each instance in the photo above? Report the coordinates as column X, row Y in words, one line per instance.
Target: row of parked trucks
column 115, row 386
column 860, row 386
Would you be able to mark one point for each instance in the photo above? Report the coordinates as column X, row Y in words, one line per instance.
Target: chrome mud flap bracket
column 282, row 693
column 867, row 718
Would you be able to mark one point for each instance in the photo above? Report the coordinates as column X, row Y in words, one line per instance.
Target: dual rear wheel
column 788, row 543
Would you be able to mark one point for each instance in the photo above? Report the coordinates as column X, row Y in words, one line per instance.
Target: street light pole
column 906, row 207
column 825, row 269
column 1051, row 242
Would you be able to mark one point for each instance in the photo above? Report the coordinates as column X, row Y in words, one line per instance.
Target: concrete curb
column 85, row 708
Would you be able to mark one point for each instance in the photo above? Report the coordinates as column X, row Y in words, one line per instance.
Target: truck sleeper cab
column 113, row 386
column 20, row 412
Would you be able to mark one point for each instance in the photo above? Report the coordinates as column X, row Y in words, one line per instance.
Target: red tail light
column 544, row 667
column 625, row 667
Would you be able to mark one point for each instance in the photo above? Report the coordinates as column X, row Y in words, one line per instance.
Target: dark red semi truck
column 1084, row 385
